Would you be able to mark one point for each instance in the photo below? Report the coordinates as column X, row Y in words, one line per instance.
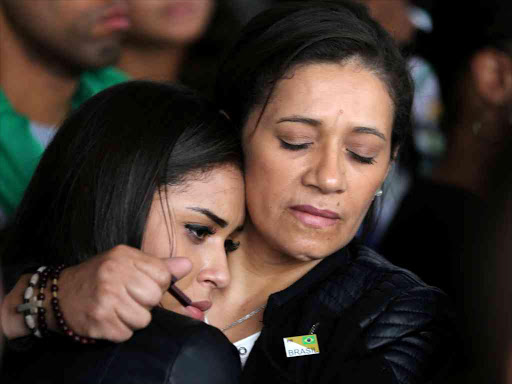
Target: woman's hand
column 106, row 297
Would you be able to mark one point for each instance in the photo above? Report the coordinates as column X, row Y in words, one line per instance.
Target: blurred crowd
column 450, row 196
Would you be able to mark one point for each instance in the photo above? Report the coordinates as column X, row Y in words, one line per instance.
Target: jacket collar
column 320, row 272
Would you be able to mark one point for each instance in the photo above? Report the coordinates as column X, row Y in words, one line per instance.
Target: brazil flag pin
column 301, row 345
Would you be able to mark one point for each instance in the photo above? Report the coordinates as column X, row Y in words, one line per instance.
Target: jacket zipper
column 313, row 328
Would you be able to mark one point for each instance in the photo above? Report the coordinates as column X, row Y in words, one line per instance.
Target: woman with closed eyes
column 322, row 99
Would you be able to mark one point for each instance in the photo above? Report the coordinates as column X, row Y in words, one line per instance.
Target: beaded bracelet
column 31, row 305
column 41, row 311
column 58, row 313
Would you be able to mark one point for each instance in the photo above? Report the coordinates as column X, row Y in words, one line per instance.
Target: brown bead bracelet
column 41, row 311
column 58, row 313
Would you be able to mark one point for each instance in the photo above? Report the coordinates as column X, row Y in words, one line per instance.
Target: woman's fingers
column 110, row 295
column 112, row 329
column 129, row 318
column 179, row 267
column 162, row 270
column 145, row 291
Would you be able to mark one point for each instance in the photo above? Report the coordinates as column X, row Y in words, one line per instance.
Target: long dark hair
column 94, row 186
column 294, row 33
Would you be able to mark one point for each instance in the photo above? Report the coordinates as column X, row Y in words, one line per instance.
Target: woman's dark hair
column 295, row 33
column 95, row 184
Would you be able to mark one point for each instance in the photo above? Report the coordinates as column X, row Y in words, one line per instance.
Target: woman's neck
column 152, row 63
column 258, row 270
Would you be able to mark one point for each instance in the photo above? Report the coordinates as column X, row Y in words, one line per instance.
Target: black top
column 375, row 323
column 173, row 349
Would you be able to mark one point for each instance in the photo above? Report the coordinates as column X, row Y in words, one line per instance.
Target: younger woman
column 156, row 168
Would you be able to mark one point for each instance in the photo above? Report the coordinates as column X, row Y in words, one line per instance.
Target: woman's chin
column 312, row 249
column 306, row 243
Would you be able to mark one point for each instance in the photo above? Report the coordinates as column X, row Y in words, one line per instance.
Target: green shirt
column 20, row 152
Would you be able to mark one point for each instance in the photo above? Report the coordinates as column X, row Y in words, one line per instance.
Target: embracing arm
column 106, row 297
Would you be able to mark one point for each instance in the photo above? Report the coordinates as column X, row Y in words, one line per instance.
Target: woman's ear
column 491, row 72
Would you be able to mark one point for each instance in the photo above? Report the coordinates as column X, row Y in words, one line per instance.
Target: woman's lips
column 116, row 18
column 314, row 217
column 197, row 309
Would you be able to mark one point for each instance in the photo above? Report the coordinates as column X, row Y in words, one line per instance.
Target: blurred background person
column 487, row 308
column 246, row 9
column 54, row 54
column 178, row 40
column 476, row 85
column 410, row 25
column 474, row 65
column 407, row 22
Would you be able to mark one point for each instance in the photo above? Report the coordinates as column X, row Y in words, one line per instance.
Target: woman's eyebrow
column 300, row 119
column 371, row 131
column 317, row 123
column 212, row 216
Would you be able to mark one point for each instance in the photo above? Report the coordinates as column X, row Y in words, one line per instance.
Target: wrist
column 12, row 323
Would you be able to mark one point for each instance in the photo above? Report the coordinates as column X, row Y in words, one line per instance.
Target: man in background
column 407, row 23
column 54, row 54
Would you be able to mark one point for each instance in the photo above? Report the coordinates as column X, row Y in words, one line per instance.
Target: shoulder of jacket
column 370, row 263
column 409, row 323
column 369, row 275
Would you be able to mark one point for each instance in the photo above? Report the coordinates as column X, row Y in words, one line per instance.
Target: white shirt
column 244, row 346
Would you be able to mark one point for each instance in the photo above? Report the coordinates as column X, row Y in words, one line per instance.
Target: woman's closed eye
column 361, row 159
column 199, row 232
column 364, row 151
column 294, row 146
column 297, row 147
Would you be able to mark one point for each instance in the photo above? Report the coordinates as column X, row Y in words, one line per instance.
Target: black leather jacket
column 375, row 323
column 173, row 349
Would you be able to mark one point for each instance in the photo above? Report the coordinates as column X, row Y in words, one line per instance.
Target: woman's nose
column 327, row 171
column 216, row 273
